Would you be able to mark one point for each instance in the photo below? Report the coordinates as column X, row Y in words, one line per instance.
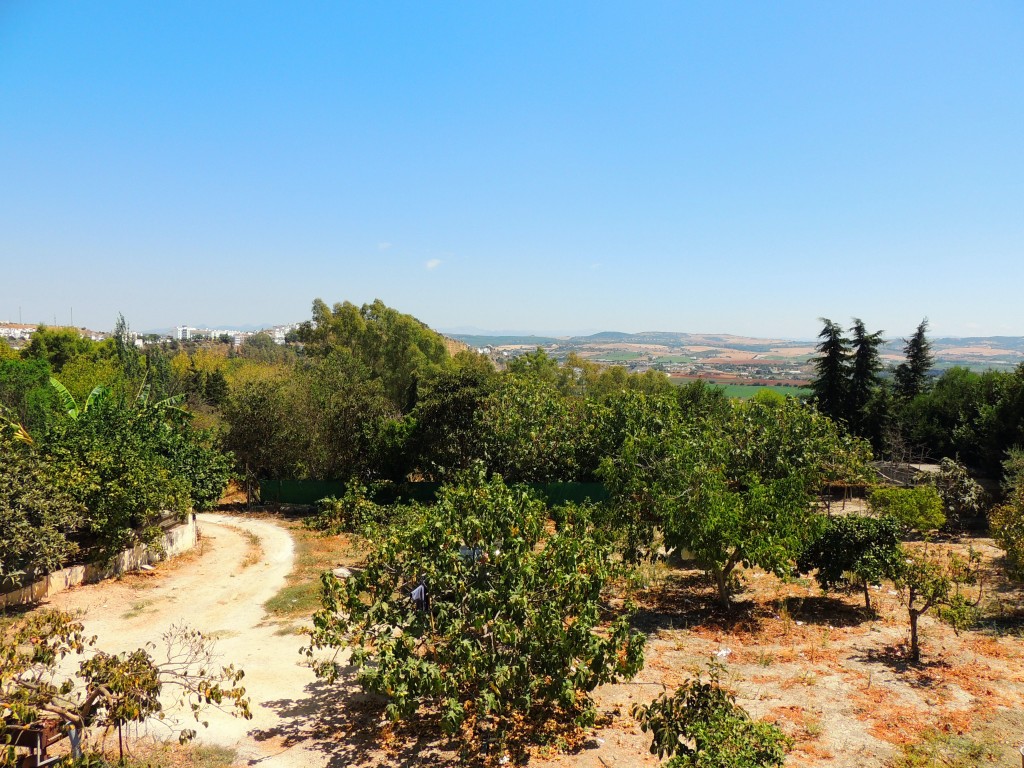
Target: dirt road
column 219, row 590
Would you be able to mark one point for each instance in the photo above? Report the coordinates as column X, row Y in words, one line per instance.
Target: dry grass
column 835, row 676
column 255, row 551
column 314, row 554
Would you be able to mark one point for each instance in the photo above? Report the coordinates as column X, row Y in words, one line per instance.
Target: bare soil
column 833, row 675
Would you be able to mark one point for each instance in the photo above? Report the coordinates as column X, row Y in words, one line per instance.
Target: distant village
column 720, row 365
column 18, row 333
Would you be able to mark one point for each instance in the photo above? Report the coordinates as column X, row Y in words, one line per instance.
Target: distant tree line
column 975, row 418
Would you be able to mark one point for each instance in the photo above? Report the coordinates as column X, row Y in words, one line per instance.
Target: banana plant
column 68, row 400
column 142, row 400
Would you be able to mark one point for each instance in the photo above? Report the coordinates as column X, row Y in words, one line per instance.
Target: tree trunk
column 722, row 580
column 867, row 596
column 915, row 650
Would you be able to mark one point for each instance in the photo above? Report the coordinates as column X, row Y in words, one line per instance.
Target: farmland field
column 621, row 357
column 747, row 391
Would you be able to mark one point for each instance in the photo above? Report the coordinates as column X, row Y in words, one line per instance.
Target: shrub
column 36, row 515
column 474, row 614
column 701, row 726
column 353, row 512
column 962, row 497
column 918, row 509
column 1007, row 524
column 108, row 690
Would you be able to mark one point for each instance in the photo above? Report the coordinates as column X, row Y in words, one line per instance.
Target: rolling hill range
column 978, row 353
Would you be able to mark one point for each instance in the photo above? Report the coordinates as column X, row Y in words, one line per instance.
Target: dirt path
column 219, row 590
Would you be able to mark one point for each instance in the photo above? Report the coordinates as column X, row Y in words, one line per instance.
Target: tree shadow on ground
column 689, row 600
column 347, row 726
column 828, row 610
column 924, row 673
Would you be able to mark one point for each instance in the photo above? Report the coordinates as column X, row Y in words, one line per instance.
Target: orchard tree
column 474, row 612
column 917, row 509
column 26, row 397
column 868, row 548
column 37, row 515
column 131, row 466
column 644, row 440
column 1007, row 519
column 107, row 690
column 930, row 578
column 702, row 726
column 445, row 435
column 531, row 432
column 962, row 497
column 738, row 490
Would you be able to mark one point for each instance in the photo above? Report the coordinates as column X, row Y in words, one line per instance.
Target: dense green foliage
column 730, row 487
column 976, row 417
column 26, row 397
column 507, row 629
column 395, row 348
column 1007, row 519
column 100, row 477
column 38, row 516
column 701, row 726
column 973, row 418
column 130, row 467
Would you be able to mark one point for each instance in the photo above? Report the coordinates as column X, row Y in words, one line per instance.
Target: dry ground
column 829, row 673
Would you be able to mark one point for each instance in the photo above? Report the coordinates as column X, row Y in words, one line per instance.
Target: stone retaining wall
column 177, row 539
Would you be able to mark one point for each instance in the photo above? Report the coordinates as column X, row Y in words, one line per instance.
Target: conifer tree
column 831, row 384
column 863, row 373
column 911, row 376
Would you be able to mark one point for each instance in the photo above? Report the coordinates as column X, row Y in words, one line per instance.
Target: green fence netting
column 308, row 492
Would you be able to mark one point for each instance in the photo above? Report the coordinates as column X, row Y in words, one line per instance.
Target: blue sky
column 703, row 167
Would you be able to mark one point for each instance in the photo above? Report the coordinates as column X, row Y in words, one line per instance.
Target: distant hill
column 505, row 341
column 978, row 352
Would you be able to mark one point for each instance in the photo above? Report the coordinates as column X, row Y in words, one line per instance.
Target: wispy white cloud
column 383, row 246
column 433, row 264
